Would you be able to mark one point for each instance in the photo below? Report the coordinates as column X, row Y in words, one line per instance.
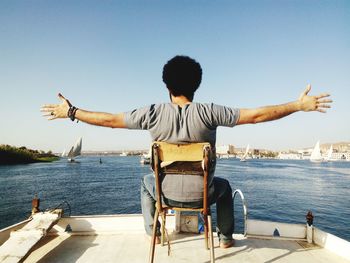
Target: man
column 184, row 121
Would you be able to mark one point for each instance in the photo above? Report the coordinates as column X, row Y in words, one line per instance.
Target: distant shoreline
column 10, row 155
column 337, row 146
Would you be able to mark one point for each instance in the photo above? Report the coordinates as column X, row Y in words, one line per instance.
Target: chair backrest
column 190, row 159
column 181, row 152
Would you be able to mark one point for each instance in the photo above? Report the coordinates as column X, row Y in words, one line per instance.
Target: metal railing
column 245, row 209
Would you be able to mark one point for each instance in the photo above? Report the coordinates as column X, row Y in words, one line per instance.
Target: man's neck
column 180, row 100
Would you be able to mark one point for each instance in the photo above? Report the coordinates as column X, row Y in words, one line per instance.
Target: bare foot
column 227, row 243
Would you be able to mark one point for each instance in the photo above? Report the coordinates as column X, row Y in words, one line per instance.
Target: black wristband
column 71, row 112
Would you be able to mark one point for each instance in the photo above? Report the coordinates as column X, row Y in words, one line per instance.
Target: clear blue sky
column 108, row 56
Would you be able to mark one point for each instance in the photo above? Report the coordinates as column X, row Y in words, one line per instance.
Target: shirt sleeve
column 224, row 116
column 138, row 119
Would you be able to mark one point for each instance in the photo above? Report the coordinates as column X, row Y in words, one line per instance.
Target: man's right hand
column 314, row 103
column 269, row 113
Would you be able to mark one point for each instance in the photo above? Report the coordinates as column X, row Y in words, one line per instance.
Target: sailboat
column 316, row 153
column 329, row 153
column 75, row 151
column 243, row 159
column 64, row 154
column 145, row 159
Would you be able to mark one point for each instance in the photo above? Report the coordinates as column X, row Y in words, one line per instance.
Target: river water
column 275, row 190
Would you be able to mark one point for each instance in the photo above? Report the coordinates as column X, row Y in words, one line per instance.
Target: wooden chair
column 188, row 159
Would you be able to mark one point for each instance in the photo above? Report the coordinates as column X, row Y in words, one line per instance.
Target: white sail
column 329, row 153
column 70, row 153
column 316, row 153
column 64, row 154
column 245, row 154
column 76, row 149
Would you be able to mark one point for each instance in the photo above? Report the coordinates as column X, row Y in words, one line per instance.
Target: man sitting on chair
column 183, row 121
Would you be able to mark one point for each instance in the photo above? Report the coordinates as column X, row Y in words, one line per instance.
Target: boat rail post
column 35, row 204
column 309, row 227
column 245, row 209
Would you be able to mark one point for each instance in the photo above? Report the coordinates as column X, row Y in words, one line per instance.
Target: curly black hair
column 182, row 75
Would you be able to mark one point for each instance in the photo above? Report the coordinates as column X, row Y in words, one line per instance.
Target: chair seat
column 175, row 208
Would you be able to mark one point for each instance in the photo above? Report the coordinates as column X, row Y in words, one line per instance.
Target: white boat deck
column 135, row 247
column 122, row 239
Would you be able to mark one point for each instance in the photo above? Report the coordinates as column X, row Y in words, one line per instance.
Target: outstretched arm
column 269, row 113
column 57, row 111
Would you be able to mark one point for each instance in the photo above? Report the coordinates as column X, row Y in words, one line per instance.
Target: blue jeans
column 222, row 197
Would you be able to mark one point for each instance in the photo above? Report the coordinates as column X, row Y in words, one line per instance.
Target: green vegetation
column 13, row 155
column 268, row 154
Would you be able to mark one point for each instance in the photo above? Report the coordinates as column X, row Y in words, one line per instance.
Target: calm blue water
column 275, row 190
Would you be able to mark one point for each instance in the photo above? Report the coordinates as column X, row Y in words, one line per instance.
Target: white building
column 225, row 149
column 341, row 156
column 289, row 156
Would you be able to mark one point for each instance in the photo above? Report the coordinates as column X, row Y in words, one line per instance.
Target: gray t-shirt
column 194, row 122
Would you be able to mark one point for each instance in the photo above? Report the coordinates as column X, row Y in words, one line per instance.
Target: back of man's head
column 182, row 75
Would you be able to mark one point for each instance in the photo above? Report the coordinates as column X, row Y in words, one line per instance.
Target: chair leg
column 210, row 226
column 163, row 227
column 154, row 233
column 206, row 231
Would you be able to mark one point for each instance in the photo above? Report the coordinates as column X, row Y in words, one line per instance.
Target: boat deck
column 122, row 239
column 185, row 248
